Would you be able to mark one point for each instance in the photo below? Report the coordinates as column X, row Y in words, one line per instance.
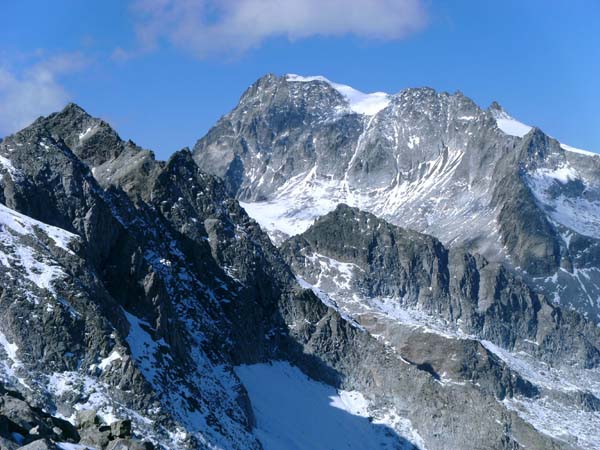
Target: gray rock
column 94, row 437
column 8, row 444
column 417, row 270
column 87, row 418
column 40, row 444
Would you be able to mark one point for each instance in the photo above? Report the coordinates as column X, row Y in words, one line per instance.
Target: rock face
column 294, row 148
column 368, row 257
column 119, row 321
column 130, row 288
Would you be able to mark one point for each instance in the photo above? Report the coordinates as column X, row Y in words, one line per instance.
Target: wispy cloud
column 206, row 27
column 34, row 90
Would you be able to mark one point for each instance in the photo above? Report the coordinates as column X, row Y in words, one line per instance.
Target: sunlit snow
column 580, row 213
column 578, row 150
column 106, row 362
column 69, row 446
column 25, row 225
column 513, row 127
column 510, row 125
column 9, row 348
column 306, row 196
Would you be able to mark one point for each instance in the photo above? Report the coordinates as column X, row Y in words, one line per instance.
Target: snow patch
column 114, row 356
column 25, row 255
column 7, row 165
column 10, row 349
column 41, row 273
column 69, row 446
column 513, row 127
column 578, row 150
column 143, row 347
column 95, row 392
column 25, row 225
column 87, row 133
column 333, row 272
column 10, row 365
column 562, row 174
column 580, row 213
column 293, row 411
column 275, row 218
column 567, row 424
column 510, row 125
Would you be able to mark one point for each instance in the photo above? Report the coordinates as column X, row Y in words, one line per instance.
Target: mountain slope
column 156, row 320
column 294, row 148
column 428, row 303
column 145, row 285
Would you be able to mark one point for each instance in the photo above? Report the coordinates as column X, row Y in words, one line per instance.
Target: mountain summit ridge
column 434, row 162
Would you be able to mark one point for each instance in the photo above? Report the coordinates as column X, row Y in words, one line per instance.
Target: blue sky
column 162, row 72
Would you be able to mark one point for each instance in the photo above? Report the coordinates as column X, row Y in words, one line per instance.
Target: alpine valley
column 325, row 270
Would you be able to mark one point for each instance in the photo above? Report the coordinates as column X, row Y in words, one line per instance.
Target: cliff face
column 377, row 260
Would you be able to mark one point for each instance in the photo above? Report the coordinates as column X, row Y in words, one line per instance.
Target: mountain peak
column 71, row 117
column 495, row 106
column 183, row 156
column 92, row 139
column 74, row 108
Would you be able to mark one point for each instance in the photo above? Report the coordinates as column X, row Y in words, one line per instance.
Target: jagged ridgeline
column 142, row 307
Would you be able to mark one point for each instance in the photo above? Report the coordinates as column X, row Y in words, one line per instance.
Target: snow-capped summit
column 359, row 102
column 434, row 162
column 513, row 127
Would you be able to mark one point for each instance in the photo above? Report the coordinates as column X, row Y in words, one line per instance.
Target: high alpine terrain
column 295, row 147
column 413, row 272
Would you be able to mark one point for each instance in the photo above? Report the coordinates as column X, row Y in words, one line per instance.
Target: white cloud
column 209, row 26
column 27, row 93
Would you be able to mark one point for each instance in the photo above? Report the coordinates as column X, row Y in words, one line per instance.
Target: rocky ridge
column 427, row 302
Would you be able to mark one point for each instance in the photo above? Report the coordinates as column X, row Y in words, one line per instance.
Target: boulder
column 40, row 444
column 88, row 418
column 94, row 437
